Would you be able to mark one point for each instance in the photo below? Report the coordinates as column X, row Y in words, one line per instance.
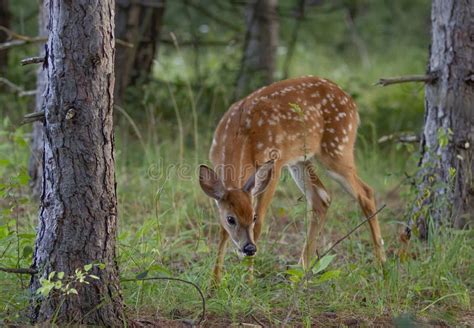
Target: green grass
column 168, row 227
column 172, row 228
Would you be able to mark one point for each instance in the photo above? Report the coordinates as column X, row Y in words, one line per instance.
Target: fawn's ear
column 259, row 181
column 210, row 183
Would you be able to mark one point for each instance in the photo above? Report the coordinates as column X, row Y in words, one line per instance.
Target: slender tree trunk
column 261, row 42
column 138, row 23
column 4, row 21
column 78, row 215
column 35, row 165
column 446, row 191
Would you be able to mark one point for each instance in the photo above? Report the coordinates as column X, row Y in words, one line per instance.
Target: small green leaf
column 51, row 275
column 60, row 275
column 3, row 232
column 94, row 277
column 160, row 269
column 297, row 272
column 87, row 267
column 323, row 263
column 329, row 275
column 27, row 251
column 72, row 291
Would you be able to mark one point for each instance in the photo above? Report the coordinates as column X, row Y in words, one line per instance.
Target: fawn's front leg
column 217, row 275
column 262, row 202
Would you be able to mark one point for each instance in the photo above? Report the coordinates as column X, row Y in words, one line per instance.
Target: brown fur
column 289, row 122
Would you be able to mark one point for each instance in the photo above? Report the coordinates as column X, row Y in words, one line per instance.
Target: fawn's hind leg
column 343, row 171
column 318, row 201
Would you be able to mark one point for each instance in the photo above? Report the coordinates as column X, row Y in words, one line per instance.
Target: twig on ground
column 203, row 300
column 309, row 271
column 19, row 270
column 257, row 321
column 32, row 60
column 428, row 78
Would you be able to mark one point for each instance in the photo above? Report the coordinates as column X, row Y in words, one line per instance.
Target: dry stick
column 203, row 300
column 32, row 60
column 403, row 137
column 19, row 270
column 256, row 320
column 309, row 271
column 33, row 117
column 428, row 78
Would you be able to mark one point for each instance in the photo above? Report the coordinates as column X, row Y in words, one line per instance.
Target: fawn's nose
column 250, row 249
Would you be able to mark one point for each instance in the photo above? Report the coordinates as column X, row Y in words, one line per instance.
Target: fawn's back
column 287, row 121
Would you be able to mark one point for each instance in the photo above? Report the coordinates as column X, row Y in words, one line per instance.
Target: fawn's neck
column 236, row 164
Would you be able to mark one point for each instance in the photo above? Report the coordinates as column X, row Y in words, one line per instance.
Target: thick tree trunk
column 446, row 191
column 261, row 42
column 4, row 21
column 35, row 166
column 78, row 215
column 138, row 23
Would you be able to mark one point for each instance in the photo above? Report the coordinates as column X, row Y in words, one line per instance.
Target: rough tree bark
column 138, row 23
column 446, row 191
column 35, row 166
column 4, row 21
column 78, row 215
column 261, row 41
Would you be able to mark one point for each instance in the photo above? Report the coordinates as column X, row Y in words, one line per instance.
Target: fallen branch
column 309, row 272
column 32, row 60
column 19, row 270
column 428, row 78
column 203, row 300
column 33, row 117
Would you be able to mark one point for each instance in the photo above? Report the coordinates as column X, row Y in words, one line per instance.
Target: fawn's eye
column 255, row 218
column 231, row 220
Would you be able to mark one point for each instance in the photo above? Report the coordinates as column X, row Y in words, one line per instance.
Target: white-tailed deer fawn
column 283, row 124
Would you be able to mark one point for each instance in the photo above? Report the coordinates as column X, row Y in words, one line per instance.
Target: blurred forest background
column 193, row 60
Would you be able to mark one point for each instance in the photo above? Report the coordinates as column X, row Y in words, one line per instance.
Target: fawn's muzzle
column 250, row 249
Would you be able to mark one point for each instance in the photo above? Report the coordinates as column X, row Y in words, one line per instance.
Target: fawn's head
column 236, row 212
